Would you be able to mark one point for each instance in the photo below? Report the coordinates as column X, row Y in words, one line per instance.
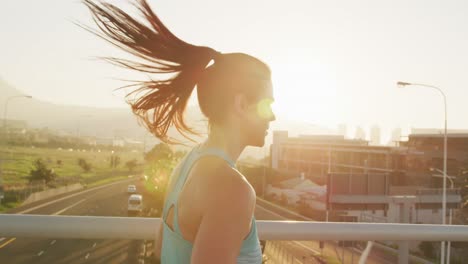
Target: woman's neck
column 225, row 139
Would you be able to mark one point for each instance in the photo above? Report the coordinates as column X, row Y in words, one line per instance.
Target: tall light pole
column 328, row 173
column 444, row 191
column 450, row 211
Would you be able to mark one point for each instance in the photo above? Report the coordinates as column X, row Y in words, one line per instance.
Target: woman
column 208, row 215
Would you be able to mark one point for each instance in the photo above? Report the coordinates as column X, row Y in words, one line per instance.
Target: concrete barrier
column 34, row 197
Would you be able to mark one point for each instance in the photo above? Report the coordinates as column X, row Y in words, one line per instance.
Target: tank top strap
column 172, row 196
column 196, row 154
column 215, row 152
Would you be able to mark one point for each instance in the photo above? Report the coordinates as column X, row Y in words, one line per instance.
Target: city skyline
column 387, row 135
column 332, row 62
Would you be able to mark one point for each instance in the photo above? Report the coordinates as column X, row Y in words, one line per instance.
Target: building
column 370, row 182
column 342, row 130
column 360, row 133
column 375, row 135
column 395, row 137
column 425, row 151
column 316, row 155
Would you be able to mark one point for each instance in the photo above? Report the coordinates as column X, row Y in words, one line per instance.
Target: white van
column 131, row 189
column 135, row 204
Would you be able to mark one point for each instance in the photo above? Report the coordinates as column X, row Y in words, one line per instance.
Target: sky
column 332, row 61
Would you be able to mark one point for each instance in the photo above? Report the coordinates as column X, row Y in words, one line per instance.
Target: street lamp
column 450, row 211
column 444, row 191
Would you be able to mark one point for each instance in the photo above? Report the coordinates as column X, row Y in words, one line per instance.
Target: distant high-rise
column 342, row 129
column 360, row 133
column 375, row 135
column 396, row 136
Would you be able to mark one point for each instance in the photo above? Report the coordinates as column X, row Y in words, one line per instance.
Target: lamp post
column 328, row 173
column 450, row 211
column 444, row 191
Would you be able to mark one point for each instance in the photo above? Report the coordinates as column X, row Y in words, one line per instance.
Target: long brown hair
column 161, row 103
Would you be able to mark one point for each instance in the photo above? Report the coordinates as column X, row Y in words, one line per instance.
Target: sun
column 306, row 93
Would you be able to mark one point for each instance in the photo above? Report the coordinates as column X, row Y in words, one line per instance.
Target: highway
column 304, row 251
column 110, row 200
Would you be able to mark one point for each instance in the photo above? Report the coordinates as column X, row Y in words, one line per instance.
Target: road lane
column 108, row 201
column 112, row 201
column 304, row 249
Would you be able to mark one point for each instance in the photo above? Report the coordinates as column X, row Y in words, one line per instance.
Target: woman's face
column 258, row 116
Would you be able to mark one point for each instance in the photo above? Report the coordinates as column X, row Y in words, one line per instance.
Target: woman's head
column 237, row 88
column 234, row 88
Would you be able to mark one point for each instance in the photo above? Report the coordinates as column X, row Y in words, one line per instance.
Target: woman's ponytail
column 160, row 103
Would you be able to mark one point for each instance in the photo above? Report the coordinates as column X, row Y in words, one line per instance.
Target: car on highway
column 131, row 189
column 135, row 204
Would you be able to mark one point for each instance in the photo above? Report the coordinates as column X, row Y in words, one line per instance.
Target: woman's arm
column 159, row 234
column 158, row 242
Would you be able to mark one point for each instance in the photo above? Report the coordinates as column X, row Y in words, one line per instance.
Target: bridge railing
column 100, row 227
column 139, row 228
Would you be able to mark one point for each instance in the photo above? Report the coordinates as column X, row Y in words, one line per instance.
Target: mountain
column 74, row 120
column 116, row 122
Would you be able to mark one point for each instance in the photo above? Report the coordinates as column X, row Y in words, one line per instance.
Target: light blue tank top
column 175, row 249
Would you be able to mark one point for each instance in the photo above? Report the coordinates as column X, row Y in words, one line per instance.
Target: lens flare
column 264, row 108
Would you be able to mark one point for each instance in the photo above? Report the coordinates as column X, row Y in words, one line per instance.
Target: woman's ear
column 240, row 104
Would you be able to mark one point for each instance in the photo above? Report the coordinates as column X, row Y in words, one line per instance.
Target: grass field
column 17, row 162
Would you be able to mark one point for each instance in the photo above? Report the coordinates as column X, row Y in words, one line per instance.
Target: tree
column 131, row 164
column 41, row 172
column 179, row 154
column 161, row 151
column 160, row 161
column 84, row 165
column 114, row 161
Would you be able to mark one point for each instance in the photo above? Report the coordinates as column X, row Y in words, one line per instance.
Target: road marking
column 68, row 207
column 306, row 247
column 94, row 245
column 58, row 200
column 282, row 217
column 40, row 253
column 87, row 256
column 271, row 212
column 8, row 242
column 286, row 210
column 70, row 196
column 56, row 213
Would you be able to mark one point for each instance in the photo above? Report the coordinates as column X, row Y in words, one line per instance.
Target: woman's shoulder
column 220, row 180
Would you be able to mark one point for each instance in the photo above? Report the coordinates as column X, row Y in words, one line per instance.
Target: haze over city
column 358, row 159
column 333, row 62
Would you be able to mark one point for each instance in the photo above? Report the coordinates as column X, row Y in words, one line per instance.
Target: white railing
column 94, row 227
